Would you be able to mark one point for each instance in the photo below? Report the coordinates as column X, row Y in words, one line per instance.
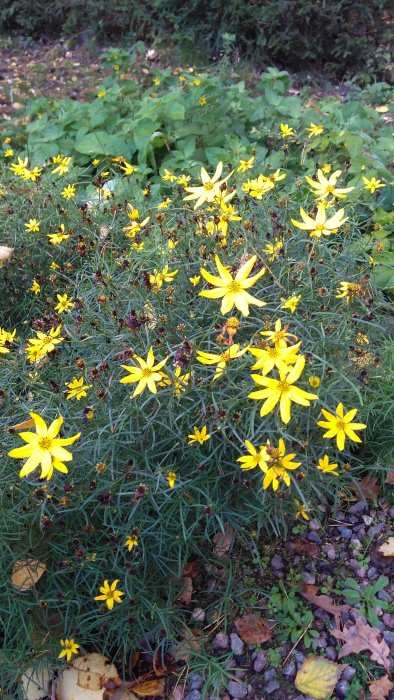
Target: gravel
column 237, row 645
column 260, row 662
column 220, row 642
column 237, row 690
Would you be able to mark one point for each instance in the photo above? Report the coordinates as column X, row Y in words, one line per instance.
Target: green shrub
column 342, row 36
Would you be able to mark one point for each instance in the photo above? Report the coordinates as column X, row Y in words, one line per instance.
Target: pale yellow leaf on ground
column 387, row 548
column 26, row 573
column 5, row 253
column 67, row 688
column 318, row 677
column 380, row 688
column 35, row 683
column 94, row 670
column 147, row 688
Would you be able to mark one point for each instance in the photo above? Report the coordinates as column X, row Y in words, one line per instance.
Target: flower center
column 341, row 425
column 273, row 352
column 224, row 356
column 146, row 372
column 284, row 386
column 320, row 227
column 208, row 186
column 235, row 287
column 45, row 443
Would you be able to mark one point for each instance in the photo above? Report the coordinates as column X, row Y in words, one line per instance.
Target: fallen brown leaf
column 156, row 686
column 5, row 253
column 387, row 548
column 302, row 546
column 95, row 671
column 122, row 693
column 192, row 641
column 318, row 677
column 223, row 541
column 253, row 629
column 26, row 573
column 390, row 478
column 186, row 596
column 192, row 568
column 25, row 425
column 363, row 637
column 367, row 488
column 380, row 688
column 310, row 592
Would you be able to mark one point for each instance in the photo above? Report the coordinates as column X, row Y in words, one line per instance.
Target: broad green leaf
column 101, row 143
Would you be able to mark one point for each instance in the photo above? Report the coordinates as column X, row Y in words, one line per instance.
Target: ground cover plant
column 195, row 347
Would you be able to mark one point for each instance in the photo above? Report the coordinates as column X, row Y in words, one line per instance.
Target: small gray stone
column 331, row 654
column 237, row 645
column 320, row 642
column 260, row 661
column 348, row 674
column 345, row 533
column 289, row 669
column 277, row 562
column 358, row 507
column 198, row 614
column 375, row 530
column 383, row 595
column 388, row 620
column 329, row 550
column 355, row 543
column 299, row 657
column 237, row 690
column 388, row 637
column 368, row 519
column 342, row 689
column 269, row 675
column 313, row 537
column 314, row 524
column 194, row 695
column 220, row 642
column 196, row 681
column 391, row 513
column 372, row 572
column 308, row 578
column 271, row 687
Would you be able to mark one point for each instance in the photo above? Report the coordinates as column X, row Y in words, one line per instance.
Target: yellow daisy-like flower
column 20, row 167
column 69, row 648
column 179, row 380
column 233, row 289
column 220, row 360
column 195, row 280
column 325, row 466
column 146, row 375
column 258, row 187
column 6, row 339
column 210, row 188
column 372, row 184
column 132, row 540
column 77, row 389
column 277, row 356
column 63, row 164
column 128, row 169
column 59, row 236
column 35, row 287
column 348, row 291
column 278, row 466
column 280, row 335
column 68, row 192
column 282, row 391
column 340, row 426
column 64, row 303
column 321, row 225
column 245, row 165
column 110, row 594
column 291, row 303
column 198, row 435
column 158, row 278
column 32, row 226
column 43, row 344
column 255, row 458
column 324, row 187
column 44, row 448
column 302, row 510
column 165, row 203
column 171, row 479
column 314, row 130
column 286, row 131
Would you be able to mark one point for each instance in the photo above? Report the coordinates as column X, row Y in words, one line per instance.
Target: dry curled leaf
column 367, row 488
column 192, row 568
column 154, row 687
column 223, row 541
column 95, row 671
column 25, row 425
column 380, row 688
column 318, row 677
column 390, row 478
column 186, row 596
column 302, row 546
column 5, row 253
column 310, row 592
column 26, row 573
column 192, row 641
column 363, row 637
column 253, row 629
column 387, row 548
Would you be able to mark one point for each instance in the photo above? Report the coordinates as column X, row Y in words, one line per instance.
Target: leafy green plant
column 365, row 597
column 293, row 618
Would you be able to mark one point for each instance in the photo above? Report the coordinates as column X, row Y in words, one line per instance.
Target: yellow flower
column 183, row 180
column 302, row 511
column 63, row 164
column 286, row 131
column 179, row 380
column 326, row 168
column 146, row 375
column 382, row 109
column 44, row 448
column 199, row 436
column 258, row 187
column 77, row 389
column 314, row 130
column 340, row 425
column 210, row 188
column 32, row 226
column 35, row 287
column 278, row 465
column 327, row 187
column 325, row 466
column 110, row 594
column 195, row 280
column 156, row 81
column 101, row 94
column 8, row 153
column 321, row 226
column 164, row 204
column 95, row 161
column 233, row 289
column 43, row 344
column 6, row 338
column 314, row 382
column 128, row 168
column 32, row 175
column 20, row 167
column 135, row 226
column 168, row 176
column 245, row 165
column 277, row 356
column 291, row 303
column 158, row 278
column 279, row 336
column 272, row 249
column 221, row 361
column 255, row 458
column 372, row 184
column 348, row 290
column 69, row 648
column 171, row 478
column 202, row 100
column 282, row 391
column 65, row 304
column 59, row 237
column 132, row 540
column 68, row 192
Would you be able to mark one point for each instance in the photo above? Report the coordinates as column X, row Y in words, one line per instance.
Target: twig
column 297, row 642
